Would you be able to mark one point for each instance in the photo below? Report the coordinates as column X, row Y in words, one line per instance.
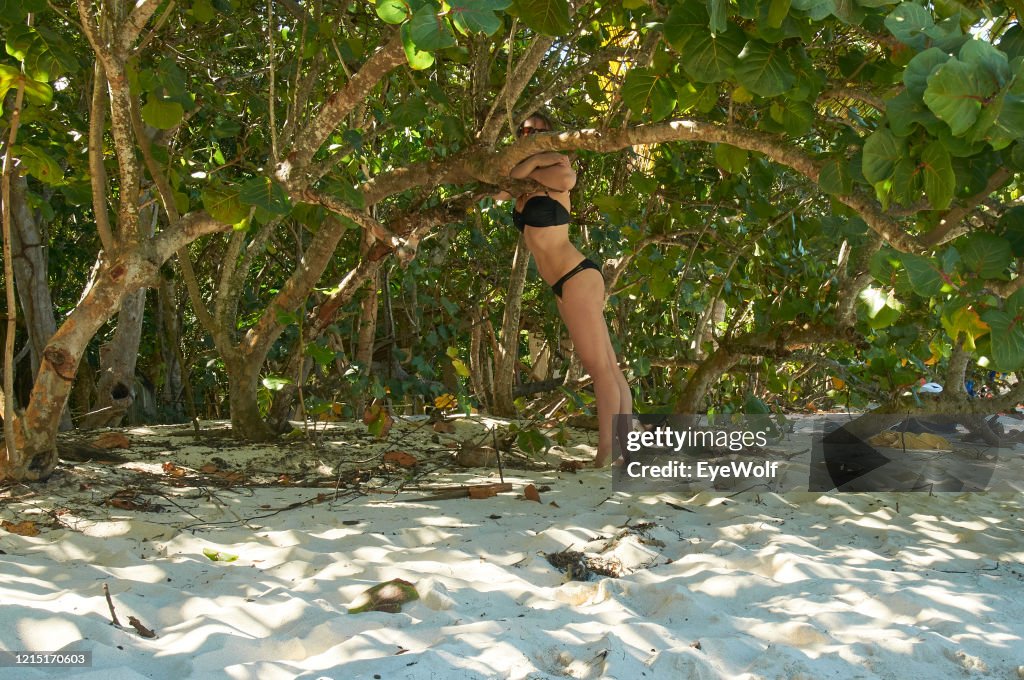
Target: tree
column 838, row 172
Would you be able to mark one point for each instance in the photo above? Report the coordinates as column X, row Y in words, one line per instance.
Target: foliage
column 829, row 126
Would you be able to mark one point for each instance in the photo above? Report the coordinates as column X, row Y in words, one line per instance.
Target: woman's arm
column 551, row 169
column 538, row 160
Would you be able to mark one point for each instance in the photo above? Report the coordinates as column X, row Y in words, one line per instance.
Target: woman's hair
column 539, row 115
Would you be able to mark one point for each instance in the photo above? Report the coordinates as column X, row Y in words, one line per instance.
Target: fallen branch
column 465, row 491
column 141, row 629
column 110, row 603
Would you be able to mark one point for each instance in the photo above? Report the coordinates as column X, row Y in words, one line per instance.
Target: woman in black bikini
column 543, row 218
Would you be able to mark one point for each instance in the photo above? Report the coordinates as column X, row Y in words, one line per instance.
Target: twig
column 141, row 629
column 110, row 603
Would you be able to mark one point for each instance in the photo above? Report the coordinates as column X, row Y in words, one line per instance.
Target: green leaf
column 882, row 309
column 915, row 76
column 7, row 76
column 161, row 113
column 955, row 93
column 44, row 52
column 644, row 90
column 835, row 177
column 1011, row 118
column 14, row 11
column 778, row 10
column 1011, row 227
column 203, row 11
column 986, row 255
column 848, row 12
column 266, row 194
column 730, row 158
column 385, row 597
column 1007, row 337
column 392, row 11
column 429, row 30
column 718, row 11
column 993, row 63
column 550, row 17
column 39, row 164
column 1012, row 42
column 908, row 23
column 218, row 556
column 965, row 320
column 276, row 382
column 906, row 182
column 410, row 112
column 532, row 440
column 684, row 22
column 224, row 205
column 417, row 58
column 882, row 150
column 923, row 273
column 816, row 9
column 477, row 16
column 939, row 179
column 320, row 354
column 710, row 59
column 905, row 112
column 36, row 92
column 764, row 69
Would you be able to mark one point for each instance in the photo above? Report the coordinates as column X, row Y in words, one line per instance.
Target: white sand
column 755, row 586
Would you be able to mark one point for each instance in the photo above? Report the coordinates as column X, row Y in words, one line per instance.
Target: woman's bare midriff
column 551, row 248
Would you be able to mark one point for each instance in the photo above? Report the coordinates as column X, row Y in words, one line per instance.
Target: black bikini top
column 540, row 211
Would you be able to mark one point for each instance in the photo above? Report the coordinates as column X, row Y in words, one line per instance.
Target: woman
column 543, row 218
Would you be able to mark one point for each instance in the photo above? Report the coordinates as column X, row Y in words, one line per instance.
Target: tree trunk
column 177, row 394
column 691, row 401
column 32, row 276
column 478, row 360
column 508, row 351
column 246, row 420
column 317, row 322
column 116, row 386
column 368, row 326
column 247, row 359
column 36, row 429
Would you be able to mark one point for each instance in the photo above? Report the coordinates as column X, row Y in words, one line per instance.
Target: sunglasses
column 523, row 131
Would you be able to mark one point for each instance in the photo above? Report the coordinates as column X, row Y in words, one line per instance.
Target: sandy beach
column 708, row 585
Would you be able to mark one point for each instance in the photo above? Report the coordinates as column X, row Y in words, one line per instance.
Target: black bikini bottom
column 587, row 263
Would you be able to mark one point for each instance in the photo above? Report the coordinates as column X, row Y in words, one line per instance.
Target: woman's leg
column 582, row 310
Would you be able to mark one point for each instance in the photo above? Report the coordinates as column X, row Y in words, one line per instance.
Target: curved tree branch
column 476, row 164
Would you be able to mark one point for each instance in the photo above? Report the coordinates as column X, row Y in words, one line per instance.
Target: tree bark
column 177, row 397
column 31, row 272
column 116, row 386
column 36, row 428
column 502, row 401
column 246, row 420
column 118, row 358
column 247, row 358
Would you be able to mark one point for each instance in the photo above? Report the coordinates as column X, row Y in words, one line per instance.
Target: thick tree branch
column 206, row 319
column 503, row 104
column 97, row 170
column 290, row 296
column 476, row 164
column 136, row 22
column 947, row 229
column 340, row 104
column 179, row 234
